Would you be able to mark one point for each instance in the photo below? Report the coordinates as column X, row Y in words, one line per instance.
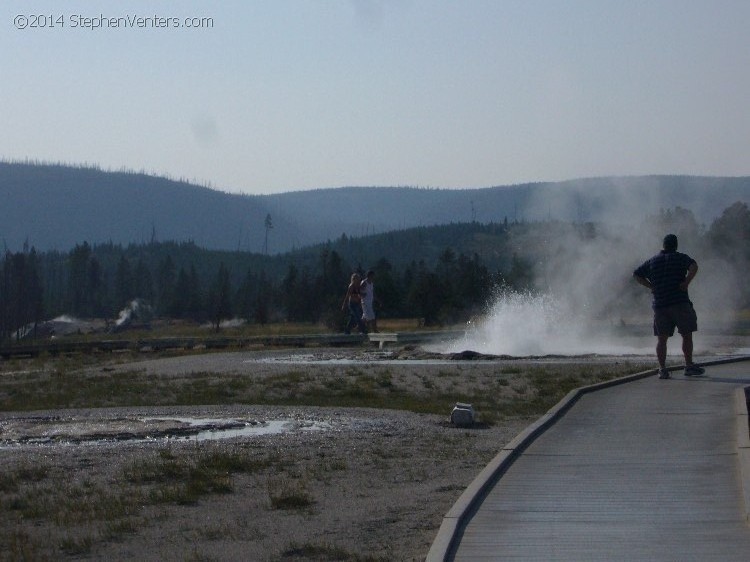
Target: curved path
column 648, row 470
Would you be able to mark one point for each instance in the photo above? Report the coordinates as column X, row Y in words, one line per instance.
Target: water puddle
column 52, row 431
column 201, row 429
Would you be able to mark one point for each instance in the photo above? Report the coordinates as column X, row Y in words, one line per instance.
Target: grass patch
column 26, row 473
column 324, row 552
column 185, row 479
column 76, row 546
column 289, row 493
column 77, row 513
column 547, row 386
column 534, row 389
column 18, row 545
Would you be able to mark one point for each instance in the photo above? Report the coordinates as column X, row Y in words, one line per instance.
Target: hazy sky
column 278, row 95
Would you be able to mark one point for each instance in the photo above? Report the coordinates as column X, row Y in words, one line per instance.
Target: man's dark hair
column 670, row 242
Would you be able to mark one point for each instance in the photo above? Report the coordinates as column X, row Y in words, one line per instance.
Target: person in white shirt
column 367, row 290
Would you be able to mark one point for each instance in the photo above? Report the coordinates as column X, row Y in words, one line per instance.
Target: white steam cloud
column 522, row 324
column 585, row 300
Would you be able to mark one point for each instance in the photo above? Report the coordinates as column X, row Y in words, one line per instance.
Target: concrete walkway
column 647, row 470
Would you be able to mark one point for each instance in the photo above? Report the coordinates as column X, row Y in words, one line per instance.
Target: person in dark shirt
column 668, row 275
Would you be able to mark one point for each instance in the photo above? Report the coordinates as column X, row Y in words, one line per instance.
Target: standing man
column 668, row 275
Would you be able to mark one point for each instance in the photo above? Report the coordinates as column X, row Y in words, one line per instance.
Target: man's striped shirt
column 666, row 270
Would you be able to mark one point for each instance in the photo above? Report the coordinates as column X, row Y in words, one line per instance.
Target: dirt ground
column 373, row 486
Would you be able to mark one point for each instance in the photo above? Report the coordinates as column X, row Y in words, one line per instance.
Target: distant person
column 368, row 301
column 668, row 275
column 353, row 301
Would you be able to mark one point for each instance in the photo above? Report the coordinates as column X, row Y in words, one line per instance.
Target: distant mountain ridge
column 54, row 207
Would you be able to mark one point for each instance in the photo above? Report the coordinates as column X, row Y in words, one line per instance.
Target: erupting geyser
column 530, row 324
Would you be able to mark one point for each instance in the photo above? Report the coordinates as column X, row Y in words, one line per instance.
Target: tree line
column 78, row 284
column 416, row 278
column 100, row 281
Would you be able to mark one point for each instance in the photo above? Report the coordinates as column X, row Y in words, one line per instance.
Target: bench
column 381, row 337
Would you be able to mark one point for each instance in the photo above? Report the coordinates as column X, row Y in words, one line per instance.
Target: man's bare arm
column 692, row 271
column 643, row 281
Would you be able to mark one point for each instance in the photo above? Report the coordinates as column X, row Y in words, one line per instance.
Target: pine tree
column 221, row 302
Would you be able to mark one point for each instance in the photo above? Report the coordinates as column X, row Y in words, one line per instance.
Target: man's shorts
column 682, row 316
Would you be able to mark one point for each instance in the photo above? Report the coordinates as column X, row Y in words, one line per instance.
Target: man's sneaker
column 663, row 374
column 694, row 371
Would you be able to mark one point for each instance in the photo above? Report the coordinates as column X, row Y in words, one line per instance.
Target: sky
column 271, row 96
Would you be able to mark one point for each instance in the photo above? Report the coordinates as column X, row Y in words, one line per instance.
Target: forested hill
column 57, row 207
